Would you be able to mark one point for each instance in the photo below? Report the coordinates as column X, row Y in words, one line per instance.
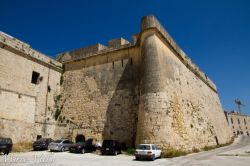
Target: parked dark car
column 5, row 145
column 83, row 147
column 60, row 145
column 42, row 144
column 111, row 147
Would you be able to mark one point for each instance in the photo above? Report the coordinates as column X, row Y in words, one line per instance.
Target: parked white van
column 147, row 151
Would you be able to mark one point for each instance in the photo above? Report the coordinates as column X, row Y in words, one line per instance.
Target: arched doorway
column 80, row 138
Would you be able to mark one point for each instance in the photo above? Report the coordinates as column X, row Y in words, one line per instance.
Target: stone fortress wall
column 146, row 91
column 100, row 92
column 179, row 106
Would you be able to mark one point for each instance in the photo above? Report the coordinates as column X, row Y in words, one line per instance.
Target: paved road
column 232, row 155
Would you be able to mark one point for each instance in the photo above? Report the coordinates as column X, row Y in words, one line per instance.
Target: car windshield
column 58, row 141
column 143, row 147
column 5, row 140
column 80, row 143
column 108, row 143
column 42, row 139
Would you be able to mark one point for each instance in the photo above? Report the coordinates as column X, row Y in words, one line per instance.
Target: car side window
column 156, row 148
column 153, row 147
column 66, row 142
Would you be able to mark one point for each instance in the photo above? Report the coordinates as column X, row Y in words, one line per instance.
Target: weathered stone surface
column 176, row 109
column 101, row 99
column 24, row 111
column 147, row 91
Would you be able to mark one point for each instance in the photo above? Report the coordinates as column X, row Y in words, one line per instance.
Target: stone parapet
column 151, row 22
column 148, row 22
column 17, row 45
column 90, row 51
column 116, row 43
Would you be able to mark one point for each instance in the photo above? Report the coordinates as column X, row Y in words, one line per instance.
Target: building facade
column 144, row 91
column 239, row 123
column 28, row 82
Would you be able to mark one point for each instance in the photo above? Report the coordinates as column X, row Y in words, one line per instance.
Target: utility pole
column 239, row 104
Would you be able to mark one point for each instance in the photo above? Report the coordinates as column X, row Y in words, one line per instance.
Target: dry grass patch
column 170, row 153
column 22, row 147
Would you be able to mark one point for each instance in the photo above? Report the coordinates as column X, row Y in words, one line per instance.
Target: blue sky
column 214, row 33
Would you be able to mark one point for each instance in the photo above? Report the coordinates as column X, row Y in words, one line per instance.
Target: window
column 66, row 141
column 238, row 121
column 38, row 137
column 122, row 62
column 131, row 61
column 143, row 147
column 245, row 121
column 35, row 77
column 232, row 120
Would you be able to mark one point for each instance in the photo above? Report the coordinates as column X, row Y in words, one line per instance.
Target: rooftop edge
column 7, row 40
column 149, row 22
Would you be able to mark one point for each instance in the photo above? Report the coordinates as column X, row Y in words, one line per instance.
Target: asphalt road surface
column 233, row 155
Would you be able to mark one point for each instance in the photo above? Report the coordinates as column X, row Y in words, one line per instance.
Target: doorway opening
column 80, row 138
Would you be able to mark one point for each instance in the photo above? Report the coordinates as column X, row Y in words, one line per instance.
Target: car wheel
column 62, row 149
column 6, row 153
column 115, row 153
column 83, row 151
column 153, row 158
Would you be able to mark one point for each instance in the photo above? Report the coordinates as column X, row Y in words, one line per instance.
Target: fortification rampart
column 150, row 22
column 170, row 101
column 146, row 91
column 178, row 108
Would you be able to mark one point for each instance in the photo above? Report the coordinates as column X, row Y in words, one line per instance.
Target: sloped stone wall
column 100, row 97
column 177, row 109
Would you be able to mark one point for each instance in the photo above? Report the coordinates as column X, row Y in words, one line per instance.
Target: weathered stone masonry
column 147, row 91
column 26, row 107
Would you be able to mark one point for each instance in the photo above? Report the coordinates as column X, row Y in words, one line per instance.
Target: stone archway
column 80, row 138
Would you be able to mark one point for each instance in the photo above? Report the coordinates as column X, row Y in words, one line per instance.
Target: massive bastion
column 146, row 91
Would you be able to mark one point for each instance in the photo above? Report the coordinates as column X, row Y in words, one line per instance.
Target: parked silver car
column 60, row 145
